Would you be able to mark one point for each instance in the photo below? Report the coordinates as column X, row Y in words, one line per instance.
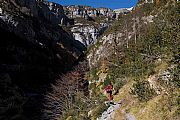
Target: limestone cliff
column 75, row 11
column 89, row 22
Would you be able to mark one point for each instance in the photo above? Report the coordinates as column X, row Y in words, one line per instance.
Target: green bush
column 119, row 83
column 93, row 73
column 148, row 7
column 176, row 77
column 143, row 91
column 176, row 70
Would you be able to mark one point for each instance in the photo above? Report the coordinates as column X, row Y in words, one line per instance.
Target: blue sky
column 113, row 4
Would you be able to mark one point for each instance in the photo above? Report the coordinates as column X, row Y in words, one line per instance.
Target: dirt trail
column 109, row 114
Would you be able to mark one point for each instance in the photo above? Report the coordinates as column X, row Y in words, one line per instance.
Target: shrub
column 176, row 77
column 143, row 91
column 93, row 73
column 119, row 83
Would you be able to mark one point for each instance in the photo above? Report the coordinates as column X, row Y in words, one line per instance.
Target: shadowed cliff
column 34, row 50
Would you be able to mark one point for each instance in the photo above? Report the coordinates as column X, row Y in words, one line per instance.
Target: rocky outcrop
column 120, row 11
column 88, row 34
column 105, row 48
column 90, row 22
column 34, row 49
column 58, row 14
column 110, row 112
column 75, row 11
column 85, row 34
column 52, row 12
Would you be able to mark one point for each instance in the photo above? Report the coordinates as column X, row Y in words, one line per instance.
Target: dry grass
column 124, row 96
column 161, row 107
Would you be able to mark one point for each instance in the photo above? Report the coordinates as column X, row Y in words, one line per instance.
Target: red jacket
column 109, row 87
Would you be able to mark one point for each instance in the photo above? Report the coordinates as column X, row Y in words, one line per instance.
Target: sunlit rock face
column 89, row 23
column 120, row 11
column 75, row 11
column 58, row 16
column 85, row 34
column 39, row 8
column 88, row 35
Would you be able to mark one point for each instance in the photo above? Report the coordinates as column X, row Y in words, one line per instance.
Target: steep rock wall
column 34, row 50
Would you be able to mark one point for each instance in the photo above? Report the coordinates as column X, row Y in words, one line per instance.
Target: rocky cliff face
column 89, row 23
column 87, row 11
column 52, row 12
column 33, row 50
column 58, row 14
column 88, row 34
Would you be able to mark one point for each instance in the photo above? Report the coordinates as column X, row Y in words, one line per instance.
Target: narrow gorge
column 57, row 61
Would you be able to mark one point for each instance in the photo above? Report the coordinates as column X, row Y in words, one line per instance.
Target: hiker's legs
column 109, row 95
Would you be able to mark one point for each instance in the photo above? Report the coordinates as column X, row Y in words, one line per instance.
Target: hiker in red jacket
column 109, row 89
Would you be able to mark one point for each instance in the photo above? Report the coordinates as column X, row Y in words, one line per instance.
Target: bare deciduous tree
column 64, row 91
